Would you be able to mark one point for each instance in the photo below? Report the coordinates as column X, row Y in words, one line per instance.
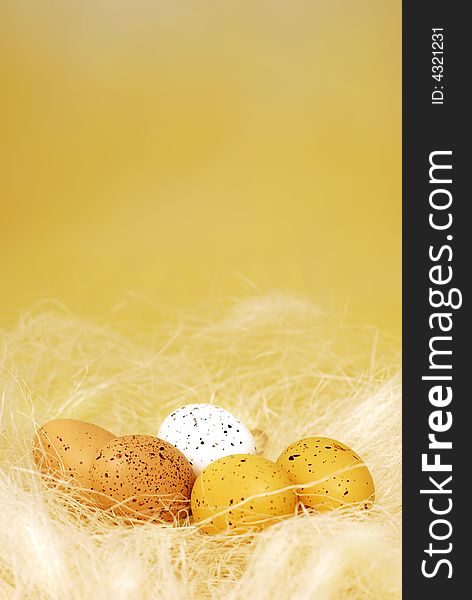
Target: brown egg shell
column 143, row 477
column 64, row 449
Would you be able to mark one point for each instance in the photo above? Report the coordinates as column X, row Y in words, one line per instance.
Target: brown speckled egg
column 142, row 476
column 241, row 493
column 331, row 475
column 65, row 449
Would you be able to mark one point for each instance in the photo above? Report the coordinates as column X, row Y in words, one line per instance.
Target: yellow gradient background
column 175, row 152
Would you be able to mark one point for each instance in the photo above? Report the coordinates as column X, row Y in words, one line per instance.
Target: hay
column 278, row 363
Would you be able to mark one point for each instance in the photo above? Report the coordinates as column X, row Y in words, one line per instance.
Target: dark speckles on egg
column 154, row 475
column 64, row 449
column 205, row 433
column 333, row 471
column 257, row 491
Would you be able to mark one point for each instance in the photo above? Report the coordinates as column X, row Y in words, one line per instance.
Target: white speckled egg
column 204, row 433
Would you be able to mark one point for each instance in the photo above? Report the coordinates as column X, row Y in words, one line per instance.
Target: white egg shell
column 204, row 433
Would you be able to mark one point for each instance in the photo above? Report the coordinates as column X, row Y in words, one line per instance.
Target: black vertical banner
column 437, row 253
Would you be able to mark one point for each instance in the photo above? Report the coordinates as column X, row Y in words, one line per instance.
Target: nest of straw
column 276, row 361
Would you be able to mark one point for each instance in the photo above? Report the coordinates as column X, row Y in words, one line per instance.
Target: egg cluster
column 203, row 461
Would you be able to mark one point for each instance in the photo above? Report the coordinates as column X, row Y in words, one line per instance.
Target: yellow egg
column 65, row 448
column 338, row 474
column 244, row 489
column 142, row 477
